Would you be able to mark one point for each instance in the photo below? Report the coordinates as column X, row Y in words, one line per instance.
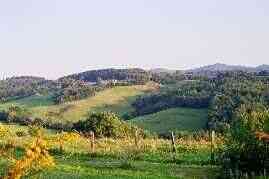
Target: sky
column 52, row 38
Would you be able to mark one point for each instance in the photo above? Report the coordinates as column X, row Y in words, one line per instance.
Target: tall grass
column 115, row 158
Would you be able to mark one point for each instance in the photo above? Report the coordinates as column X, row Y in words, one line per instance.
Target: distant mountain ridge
column 263, row 67
column 140, row 73
column 219, row 67
column 162, row 70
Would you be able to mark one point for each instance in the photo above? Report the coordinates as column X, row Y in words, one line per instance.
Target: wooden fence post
column 136, row 139
column 212, row 140
column 61, row 142
column 92, row 138
column 173, row 142
column 61, row 148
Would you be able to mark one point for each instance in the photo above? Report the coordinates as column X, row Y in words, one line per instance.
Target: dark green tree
column 243, row 150
column 104, row 124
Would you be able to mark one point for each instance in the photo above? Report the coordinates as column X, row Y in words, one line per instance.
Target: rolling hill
column 117, row 99
column 162, row 70
column 185, row 119
column 29, row 102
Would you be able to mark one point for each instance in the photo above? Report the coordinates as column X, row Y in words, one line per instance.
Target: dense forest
column 194, row 94
column 223, row 95
column 135, row 76
column 19, row 87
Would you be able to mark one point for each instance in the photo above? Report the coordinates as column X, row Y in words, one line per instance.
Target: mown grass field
column 184, row 119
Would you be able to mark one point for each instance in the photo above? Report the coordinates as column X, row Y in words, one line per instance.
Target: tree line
column 19, row 87
column 134, row 75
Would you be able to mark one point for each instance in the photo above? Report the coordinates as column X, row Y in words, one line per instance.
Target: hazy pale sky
column 56, row 37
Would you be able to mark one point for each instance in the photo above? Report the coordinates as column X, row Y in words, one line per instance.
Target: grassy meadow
column 184, row 119
column 29, row 102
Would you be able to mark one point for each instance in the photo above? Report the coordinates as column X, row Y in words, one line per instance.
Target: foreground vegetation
column 74, row 156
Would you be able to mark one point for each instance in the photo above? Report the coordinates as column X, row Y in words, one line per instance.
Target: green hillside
column 186, row 119
column 117, row 99
column 30, row 102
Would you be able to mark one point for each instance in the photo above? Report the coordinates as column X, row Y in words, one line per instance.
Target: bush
column 243, row 151
column 104, row 124
column 4, row 131
column 18, row 114
column 21, row 133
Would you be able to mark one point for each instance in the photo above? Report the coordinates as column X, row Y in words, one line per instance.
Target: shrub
column 34, row 131
column 104, row 124
column 3, row 131
column 243, row 151
column 18, row 114
column 21, row 133
column 35, row 159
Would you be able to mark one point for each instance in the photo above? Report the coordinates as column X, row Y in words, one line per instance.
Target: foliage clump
column 71, row 90
column 18, row 114
column 104, row 124
column 231, row 93
column 243, row 151
column 3, row 131
column 35, row 159
column 24, row 86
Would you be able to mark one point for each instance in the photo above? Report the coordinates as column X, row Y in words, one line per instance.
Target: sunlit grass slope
column 117, row 99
